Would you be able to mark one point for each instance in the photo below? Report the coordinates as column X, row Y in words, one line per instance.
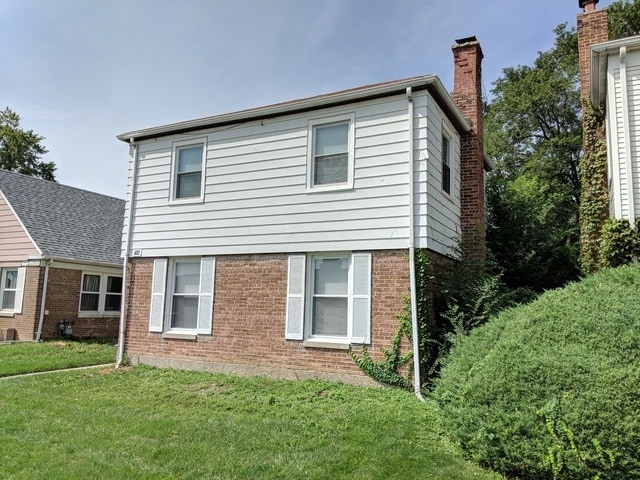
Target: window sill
column 179, row 336
column 98, row 315
column 342, row 187
column 321, row 344
column 7, row 314
column 186, row 201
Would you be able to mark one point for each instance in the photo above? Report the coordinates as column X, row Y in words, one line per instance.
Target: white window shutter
column 205, row 305
column 158, row 287
column 361, row 298
column 17, row 306
column 295, row 298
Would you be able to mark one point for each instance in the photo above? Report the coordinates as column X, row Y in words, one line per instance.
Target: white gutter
column 127, row 245
column 43, row 298
column 412, row 266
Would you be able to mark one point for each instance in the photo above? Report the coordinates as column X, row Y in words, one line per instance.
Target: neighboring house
column 60, row 260
column 274, row 239
column 610, row 79
column 615, row 84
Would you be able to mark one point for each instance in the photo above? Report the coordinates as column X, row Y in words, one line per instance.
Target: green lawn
column 166, row 424
column 27, row 357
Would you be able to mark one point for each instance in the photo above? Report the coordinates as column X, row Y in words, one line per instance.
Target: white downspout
column 127, row 245
column 412, row 266
column 43, row 299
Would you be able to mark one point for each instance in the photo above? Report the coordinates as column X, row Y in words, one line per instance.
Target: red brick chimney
column 593, row 28
column 467, row 95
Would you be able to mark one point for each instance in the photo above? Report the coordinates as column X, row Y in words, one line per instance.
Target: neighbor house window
column 329, row 298
column 446, row 164
column 100, row 294
column 330, row 162
column 182, row 296
column 8, row 288
column 188, row 167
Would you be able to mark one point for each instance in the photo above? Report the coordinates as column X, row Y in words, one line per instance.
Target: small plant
column 565, row 448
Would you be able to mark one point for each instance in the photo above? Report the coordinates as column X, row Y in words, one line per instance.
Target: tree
column 20, row 150
column 533, row 131
column 624, row 19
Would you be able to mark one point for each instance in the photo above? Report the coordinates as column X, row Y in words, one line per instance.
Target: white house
column 274, row 239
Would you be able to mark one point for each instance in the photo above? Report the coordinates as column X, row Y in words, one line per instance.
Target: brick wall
column 467, row 95
column 249, row 316
column 592, row 28
column 63, row 301
column 25, row 323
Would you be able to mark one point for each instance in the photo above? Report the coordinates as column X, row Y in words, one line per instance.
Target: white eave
column 428, row 82
column 599, row 65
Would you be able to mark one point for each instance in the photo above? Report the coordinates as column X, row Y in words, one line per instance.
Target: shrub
column 551, row 390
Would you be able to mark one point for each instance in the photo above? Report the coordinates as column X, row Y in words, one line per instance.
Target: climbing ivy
column 594, row 200
column 620, row 243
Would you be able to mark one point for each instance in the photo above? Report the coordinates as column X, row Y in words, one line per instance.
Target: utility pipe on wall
column 43, row 299
column 127, row 246
column 412, row 266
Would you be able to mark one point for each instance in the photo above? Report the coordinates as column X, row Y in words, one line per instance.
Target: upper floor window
column 330, row 163
column 100, row 294
column 446, row 164
column 188, row 168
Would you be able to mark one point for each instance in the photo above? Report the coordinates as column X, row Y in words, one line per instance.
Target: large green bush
column 552, row 389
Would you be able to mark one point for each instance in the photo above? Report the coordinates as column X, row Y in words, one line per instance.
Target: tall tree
column 21, row 150
column 533, row 131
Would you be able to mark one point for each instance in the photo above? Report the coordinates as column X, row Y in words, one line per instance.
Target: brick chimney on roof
column 467, row 95
column 593, row 28
column 588, row 5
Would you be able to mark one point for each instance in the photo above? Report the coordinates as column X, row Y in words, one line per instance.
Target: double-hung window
column 100, row 294
column 446, row 164
column 188, row 170
column 331, row 153
column 11, row 287
column 182, row 295
column 329, row 298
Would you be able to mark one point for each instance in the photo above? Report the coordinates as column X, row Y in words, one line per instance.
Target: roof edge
column 306, row 104
column 599, row 56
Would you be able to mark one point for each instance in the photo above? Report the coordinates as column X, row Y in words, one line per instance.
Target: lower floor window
column 100, row 293
column 182, row 295
column 11, row 289
column 329, row 297
column 8, row 288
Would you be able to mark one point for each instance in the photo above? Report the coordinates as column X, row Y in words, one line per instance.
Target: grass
column 145, row 423
column 27, row 357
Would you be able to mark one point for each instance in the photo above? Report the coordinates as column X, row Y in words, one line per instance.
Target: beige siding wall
column 15, row 244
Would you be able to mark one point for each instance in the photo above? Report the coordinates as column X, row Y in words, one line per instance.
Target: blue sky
column 79, row 72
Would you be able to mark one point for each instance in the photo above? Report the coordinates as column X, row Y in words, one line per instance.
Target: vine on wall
column 594, row 201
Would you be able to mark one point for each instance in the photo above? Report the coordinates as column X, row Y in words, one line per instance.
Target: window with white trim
column 189, row 162
column 331, row 152
column 446, row 164
column 182, row 295
column 11, row 288
column 329, row 297
column 100, row 294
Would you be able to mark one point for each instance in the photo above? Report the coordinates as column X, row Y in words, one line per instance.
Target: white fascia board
column 599, row 65
column 322, row 101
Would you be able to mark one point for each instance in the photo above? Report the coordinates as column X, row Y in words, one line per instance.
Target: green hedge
column 552, row 389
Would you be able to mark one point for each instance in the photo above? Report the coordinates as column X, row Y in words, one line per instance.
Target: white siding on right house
column 623, row 135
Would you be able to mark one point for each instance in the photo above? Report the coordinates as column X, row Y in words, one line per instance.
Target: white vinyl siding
column 623, row 136
column 329, row 298
column 256, row 195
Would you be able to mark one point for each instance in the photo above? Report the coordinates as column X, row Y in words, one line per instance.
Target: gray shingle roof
column 66, row 222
